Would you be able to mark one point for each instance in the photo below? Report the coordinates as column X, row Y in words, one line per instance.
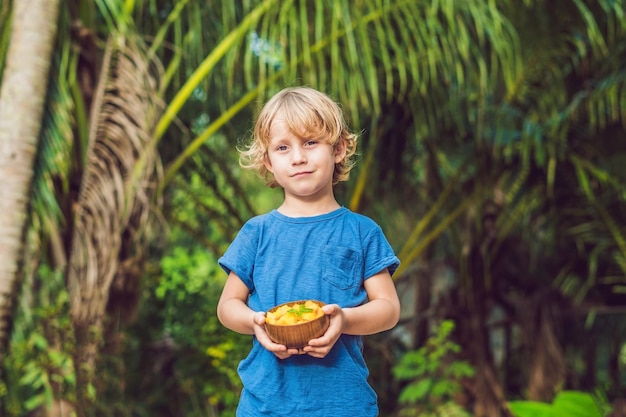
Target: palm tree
column 432, row 81
column 527, row 252
column 349, row 25
column 24, row 85
column 383, row 33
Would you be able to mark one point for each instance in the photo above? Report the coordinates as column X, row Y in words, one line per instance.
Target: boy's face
column 302, row 166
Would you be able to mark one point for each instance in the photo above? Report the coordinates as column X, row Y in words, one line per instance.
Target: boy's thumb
column 259, row 317
column 329, row 308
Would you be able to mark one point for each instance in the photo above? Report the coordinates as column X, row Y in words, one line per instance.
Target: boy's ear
column 268, row 164
column 340, row 151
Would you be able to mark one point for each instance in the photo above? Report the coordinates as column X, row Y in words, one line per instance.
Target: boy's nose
column 298, row 156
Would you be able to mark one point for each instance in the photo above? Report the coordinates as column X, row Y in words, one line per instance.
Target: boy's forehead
column 280, row 129
column 296, row 126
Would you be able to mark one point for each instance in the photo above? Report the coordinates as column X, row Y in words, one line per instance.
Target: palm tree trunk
column 22, row 98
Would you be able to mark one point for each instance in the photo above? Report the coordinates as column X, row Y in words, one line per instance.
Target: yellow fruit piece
column 295, row 313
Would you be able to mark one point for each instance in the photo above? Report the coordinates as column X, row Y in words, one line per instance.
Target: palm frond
column 207, row 66
column 611, row 225
column 51, row 172
column 349, row 41
column 112, row 200
column 51, row 195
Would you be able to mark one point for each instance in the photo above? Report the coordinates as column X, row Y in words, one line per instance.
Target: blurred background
column 492, row 152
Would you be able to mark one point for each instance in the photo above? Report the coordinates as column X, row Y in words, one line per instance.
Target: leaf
column 460, row 370
column 415, row 391
column 566, row 404
column 34, row 402
column 531, row 409
column 33, row 377
column 442, row 389
column 576, row 404
column 412, row 365
column 39, row 341
column 300, row 310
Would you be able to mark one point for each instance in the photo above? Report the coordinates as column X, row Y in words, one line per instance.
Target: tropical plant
column 490, row 141
column 521, row 219
column 129, row 110
column 565, row 404
column 434, row 374
column 41, row 369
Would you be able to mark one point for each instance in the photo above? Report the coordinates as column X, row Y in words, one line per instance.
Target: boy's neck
column 292, row 207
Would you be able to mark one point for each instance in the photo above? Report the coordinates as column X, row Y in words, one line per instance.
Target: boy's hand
column 280, row 351
column 320, row 347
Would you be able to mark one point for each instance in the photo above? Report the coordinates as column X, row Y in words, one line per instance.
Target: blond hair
column 307, row 112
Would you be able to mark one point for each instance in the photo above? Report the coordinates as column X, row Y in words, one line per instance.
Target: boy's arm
column 234, row 313
column 232, row 310
column 380, row 313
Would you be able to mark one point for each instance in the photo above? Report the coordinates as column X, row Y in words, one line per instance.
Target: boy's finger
column 330, row 308
column 259, row 318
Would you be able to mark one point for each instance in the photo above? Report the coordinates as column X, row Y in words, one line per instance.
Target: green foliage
column 434, row 376
column 513, row 126
column 566, row 404
column 179, row 352
column 40, row 367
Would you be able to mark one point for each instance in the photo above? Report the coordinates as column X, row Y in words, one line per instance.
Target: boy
column 310, row 247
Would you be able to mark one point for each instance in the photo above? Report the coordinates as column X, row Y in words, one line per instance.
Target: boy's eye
column 281, row 148
column 311, row 142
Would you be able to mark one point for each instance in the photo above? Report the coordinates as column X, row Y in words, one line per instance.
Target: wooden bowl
column 297, row 335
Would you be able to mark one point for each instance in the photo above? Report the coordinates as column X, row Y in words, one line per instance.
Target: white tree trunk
column 22, row 96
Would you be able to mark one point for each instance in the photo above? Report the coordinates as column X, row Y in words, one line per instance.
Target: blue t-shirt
column 326, row 258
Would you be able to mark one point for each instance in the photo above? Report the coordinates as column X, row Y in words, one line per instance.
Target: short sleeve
column 378, row 253
column 241, row 254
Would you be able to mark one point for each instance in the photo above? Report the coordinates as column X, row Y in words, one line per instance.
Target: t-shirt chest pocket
column 341, row 266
